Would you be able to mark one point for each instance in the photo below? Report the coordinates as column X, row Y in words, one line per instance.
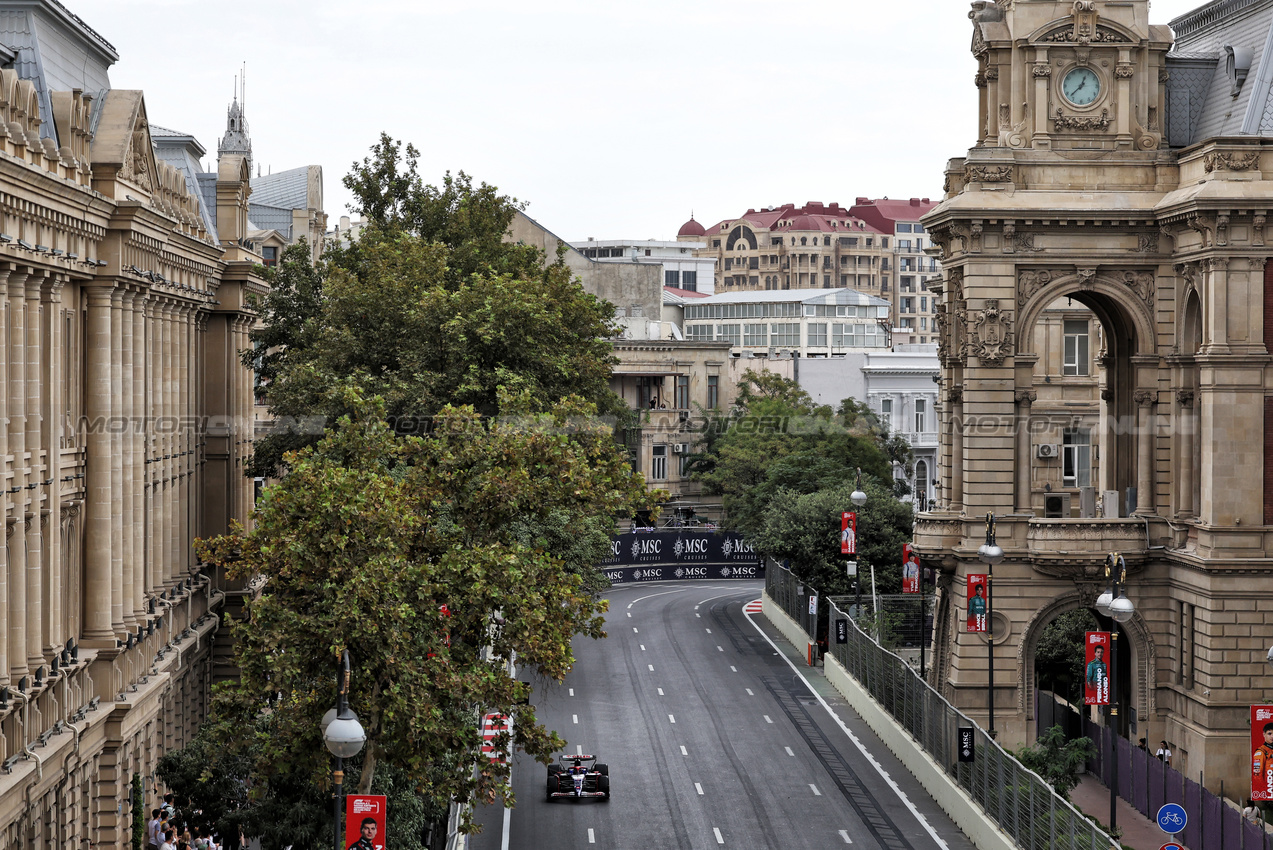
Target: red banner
column 365, row 822
column 1096, row 679
column 1262, row 752
column 848, row 533
column 910, row 569
column 977, row 602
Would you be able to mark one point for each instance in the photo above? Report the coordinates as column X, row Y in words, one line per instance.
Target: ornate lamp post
column 858, row 498
column 1114, row 604
column 344, row 737
column 990, row 554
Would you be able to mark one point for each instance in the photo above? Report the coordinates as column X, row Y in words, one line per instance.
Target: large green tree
column 430, row 306
column 361, row 545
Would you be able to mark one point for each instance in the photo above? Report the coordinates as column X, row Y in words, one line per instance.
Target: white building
column 900, row 386
column 805, row 323
column 681, row 269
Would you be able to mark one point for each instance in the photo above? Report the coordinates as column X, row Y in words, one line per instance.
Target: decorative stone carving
column 1184, row 398
column 1124, row 71
column 1026, row 397
column 1042, row 70
column 1144, row 398
column 1163, row 75
column 1030, row 282
column 979, row 80
column 1189, row 271
column 1142, row 283
column 1222, row 229
column 1195, row 222
column 1009, row 238
column 1102, row 35
column 989, row 333
column 975, row 238
column 1146, row 243
column 1107, row 394
column 992, row 73
column 988, row 173
column 1082, row 122
column 1025, row 244
column 955, row 396
column 1257, row 230
column 1227, row 161
column 1087, row 278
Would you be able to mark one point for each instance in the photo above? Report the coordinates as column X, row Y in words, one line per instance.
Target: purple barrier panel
column 1125, row 749
column 1175, row 791
column 1154, row 783
column 1252, row 836
column 1140, row 780
column 1193, row 808
column 1232, row 822
column 1212, row 809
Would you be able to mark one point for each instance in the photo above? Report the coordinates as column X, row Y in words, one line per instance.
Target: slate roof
column 288, row 189
column 266, row 217
column 182, row 151
column 1201, row 102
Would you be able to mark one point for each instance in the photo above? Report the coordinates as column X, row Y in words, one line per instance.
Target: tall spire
column 236, row 139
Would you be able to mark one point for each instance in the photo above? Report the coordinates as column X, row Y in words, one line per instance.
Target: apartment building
column 914, row 308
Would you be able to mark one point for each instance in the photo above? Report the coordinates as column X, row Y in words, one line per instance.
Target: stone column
column 1187, row 452
column 120, row 615
column 37, row 467
column 183, row 444
column 54, row 407
column 1042, row 72
column 170, row 445
column 17, row 487
column 956, row 400
column 163, row 446
column 1145, row 451
column 4, row 451
column 138, row 434
column 98, row 504
column 133, row 579
column 1215, row 315
column 1025, row 398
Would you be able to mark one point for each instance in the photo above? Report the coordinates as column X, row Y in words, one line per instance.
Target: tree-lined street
column 713, row 738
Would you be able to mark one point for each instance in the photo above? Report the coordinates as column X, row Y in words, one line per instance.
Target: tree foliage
column 1060, row 658
column 429, row 307
column 361, row 545
column 1057, row 760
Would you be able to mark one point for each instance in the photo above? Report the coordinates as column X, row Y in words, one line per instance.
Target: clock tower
column 1126, row 168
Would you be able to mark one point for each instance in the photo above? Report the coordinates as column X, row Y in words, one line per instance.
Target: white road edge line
column 720, row 839
column 901, row 795
column 698, row 788
column 844, row 833
column 652, row 595
column 816, row 792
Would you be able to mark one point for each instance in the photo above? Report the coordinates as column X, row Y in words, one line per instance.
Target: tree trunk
column 368, row 770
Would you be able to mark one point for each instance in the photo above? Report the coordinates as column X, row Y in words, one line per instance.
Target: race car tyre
column 552, row 786
column 554, row 769
column 603, row 769
column 603, row 785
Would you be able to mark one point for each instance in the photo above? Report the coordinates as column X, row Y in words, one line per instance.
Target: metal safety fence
column 1014, row 797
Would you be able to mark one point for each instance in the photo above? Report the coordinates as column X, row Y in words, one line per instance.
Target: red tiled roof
column 691, row 228
column 884, row 213
column 685, row 293
column 813, row 216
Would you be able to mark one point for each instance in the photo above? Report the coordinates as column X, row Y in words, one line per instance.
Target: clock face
column 1081, row 86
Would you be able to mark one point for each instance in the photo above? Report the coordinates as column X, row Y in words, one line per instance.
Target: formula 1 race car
column 577, row 777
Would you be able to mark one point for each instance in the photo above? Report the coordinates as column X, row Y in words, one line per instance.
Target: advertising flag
column 976, row 602
column 848, row 533
column 910, row 570
column 1262, row 752
column 365, row 822
column 1096, row 681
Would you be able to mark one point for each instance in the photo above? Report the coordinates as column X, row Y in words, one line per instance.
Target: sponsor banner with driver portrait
column 365, row 822
column 910, row 569
column 1096, row 678
column 1262, row 752
column 848, row 533
column 976, row 602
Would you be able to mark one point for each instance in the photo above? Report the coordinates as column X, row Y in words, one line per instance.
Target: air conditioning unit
column 1047, row 450
column 1056, row 506
column 680, row 448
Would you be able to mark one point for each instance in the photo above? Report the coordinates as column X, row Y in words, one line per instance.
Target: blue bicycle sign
column 1172, row 818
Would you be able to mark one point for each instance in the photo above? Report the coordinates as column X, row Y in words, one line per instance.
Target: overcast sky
column 611, row 120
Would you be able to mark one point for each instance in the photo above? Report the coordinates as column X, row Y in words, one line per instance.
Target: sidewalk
column 1139, row 832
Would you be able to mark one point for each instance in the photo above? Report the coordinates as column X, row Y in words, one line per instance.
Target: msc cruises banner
column 682, row 554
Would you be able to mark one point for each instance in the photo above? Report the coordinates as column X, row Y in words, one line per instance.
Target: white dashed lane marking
column 720, row 649
column 844, row 833
column 684, row 751
column 767, row 719
column 575, row 717
column 572, row 691
column 720, row 839
column 592, row 839
column 789, row 752
column 660, row 691
column 643, row 647
column 749, row 692
column 732, row 667
column 671, row 718
column 634, row 630
column 709, row 631
column 816, row 792
column 651, row 666
column 698, row 788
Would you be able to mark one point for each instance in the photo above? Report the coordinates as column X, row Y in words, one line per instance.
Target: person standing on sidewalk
column 1164, row 753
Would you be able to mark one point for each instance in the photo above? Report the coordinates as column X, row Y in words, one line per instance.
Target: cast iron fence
column 1015, row 798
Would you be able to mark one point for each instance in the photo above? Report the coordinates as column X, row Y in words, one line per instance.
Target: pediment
column 1064, row 31
column 122, row 149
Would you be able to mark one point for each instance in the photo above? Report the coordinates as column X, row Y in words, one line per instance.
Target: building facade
column 913, row 307
column 682, row 266
column 796, row 323
column 124, row 304
column 1128, row 170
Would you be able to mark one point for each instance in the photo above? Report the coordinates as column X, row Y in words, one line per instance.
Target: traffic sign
column 1172, row 818
column 1172, row 846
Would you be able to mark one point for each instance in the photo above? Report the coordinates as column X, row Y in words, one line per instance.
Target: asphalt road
column 714, row 739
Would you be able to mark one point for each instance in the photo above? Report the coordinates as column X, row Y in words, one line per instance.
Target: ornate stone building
column 127, row 418
column 1133, row 177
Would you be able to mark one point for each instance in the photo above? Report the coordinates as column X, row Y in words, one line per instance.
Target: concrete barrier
column 961, row 809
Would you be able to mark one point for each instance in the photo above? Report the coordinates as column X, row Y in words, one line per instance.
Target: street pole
column 990, row 554
column 1113, row 727
column 923, row 626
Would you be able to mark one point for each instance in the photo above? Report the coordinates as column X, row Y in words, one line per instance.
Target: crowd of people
column 164, row 833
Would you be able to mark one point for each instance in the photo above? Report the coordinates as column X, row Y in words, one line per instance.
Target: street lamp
column 990, row 554
column 1115, row 604
column 344, row 737
column 858, row 496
